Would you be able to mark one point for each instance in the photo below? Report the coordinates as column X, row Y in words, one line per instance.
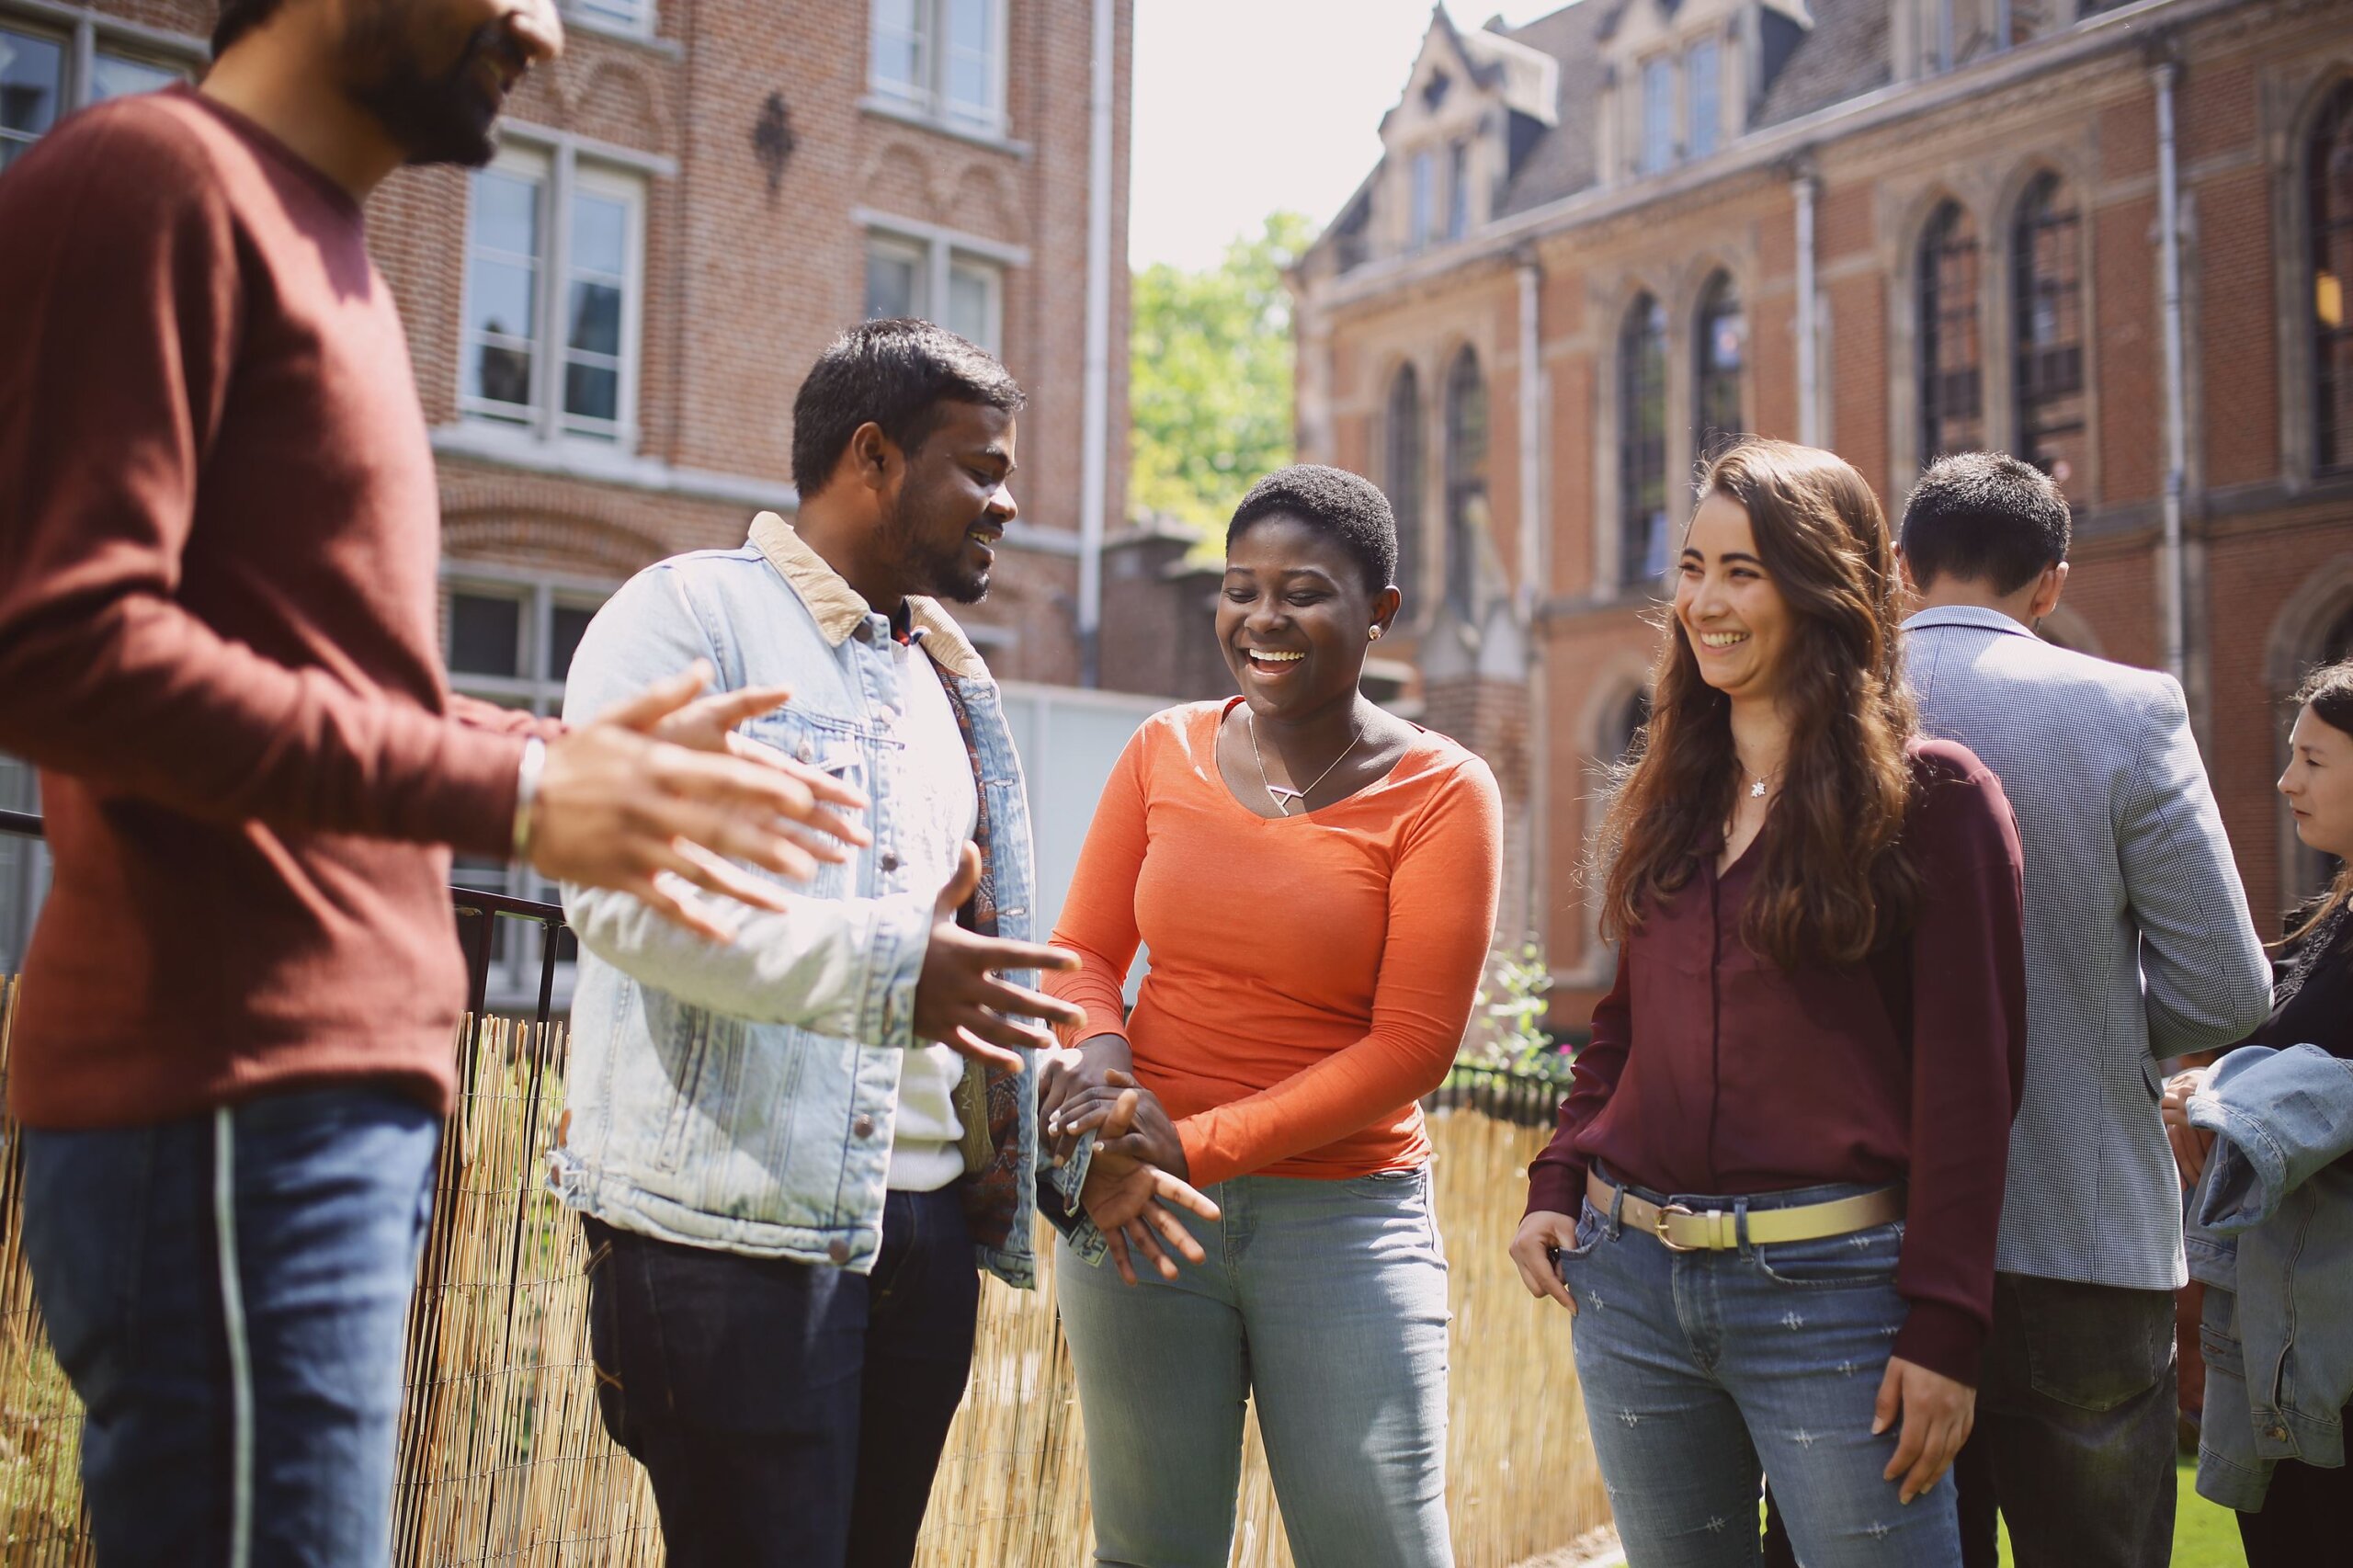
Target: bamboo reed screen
column 504, row 1461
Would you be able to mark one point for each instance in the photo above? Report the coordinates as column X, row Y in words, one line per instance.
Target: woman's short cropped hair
column 1347, row 506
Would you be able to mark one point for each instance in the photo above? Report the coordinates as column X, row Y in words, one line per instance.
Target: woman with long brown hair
column 1772, row 1199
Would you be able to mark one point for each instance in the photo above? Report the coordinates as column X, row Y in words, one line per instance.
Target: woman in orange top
column 1314, row 880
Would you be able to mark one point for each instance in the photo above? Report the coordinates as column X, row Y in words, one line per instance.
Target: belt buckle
column 1667, row 1212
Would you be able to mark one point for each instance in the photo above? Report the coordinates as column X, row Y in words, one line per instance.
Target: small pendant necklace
column 1281, row 796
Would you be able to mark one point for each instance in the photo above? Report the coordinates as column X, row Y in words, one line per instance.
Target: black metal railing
column 1523, row 1099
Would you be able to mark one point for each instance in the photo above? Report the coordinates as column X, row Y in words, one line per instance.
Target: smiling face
column 940, row 525
column 436, row 72
column 1737, row 620
column 2318, row 783
column 1294, row 617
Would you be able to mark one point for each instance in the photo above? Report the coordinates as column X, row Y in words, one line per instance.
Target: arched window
column 2046, row 276
column 1403, row 478
column 1466, row 478
column 1952, row 375
column 1642, row 443
column 1624, row 724
column 1719, row 346
column 2329, row 193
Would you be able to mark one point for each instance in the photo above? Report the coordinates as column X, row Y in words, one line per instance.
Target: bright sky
column 1246, row 106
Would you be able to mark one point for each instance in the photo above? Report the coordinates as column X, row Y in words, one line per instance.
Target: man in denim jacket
column 789, row 1149
column 2272, row 1238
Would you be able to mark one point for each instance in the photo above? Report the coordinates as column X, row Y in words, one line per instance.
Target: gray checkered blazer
column 2137, row 944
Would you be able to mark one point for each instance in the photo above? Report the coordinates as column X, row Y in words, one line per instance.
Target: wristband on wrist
column 527, row 794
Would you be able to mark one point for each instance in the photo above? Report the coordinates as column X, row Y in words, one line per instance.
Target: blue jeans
column 229, row 1294
column 1702, row 1370
column 1326, row 1301
column 789, row 1414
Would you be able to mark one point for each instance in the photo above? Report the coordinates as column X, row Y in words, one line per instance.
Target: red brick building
column 609, row 321
column 1598, row 242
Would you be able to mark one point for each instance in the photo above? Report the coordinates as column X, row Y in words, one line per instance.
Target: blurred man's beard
column 930, row 570
column 444, row 119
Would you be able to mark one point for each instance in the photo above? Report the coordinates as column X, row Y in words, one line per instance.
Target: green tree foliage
column 1209, row 388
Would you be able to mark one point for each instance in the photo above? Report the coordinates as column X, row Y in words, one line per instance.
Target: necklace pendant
column 1283, row 797
column 1756, row 790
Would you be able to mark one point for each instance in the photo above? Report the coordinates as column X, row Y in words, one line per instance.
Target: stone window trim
column 2296, row 112
column 89, row 38
column 929, row 102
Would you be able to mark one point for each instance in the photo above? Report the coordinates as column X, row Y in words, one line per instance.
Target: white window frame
column 927, row 97
column 938, row 253
column 84, row 34
column 562, row 172
column 515, row 976
column 612, row 16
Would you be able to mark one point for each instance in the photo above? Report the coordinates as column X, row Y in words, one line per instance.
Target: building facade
column 609, row 321
column 2114, row 239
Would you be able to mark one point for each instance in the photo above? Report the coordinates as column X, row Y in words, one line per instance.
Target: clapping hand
column 1130, row 1198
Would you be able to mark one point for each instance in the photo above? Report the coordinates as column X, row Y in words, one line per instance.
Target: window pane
column 1458, row 191
column 1641, row 442
column 507, row 213
column 595, row 318
column 972, row 58
column 1706, row 105
column 599, row 235
column 1658, row 115
column 499, row 374
column 896, row 61
column 893, row 283
column 32, row 89
column 2328, row 197
column 485, row 635
column 972, row 299
column 564, row 630
column 1404, row 479
column 501, row 299
column 631, row 14
column 591, row 391
column 1424, row 208
column 114, row 76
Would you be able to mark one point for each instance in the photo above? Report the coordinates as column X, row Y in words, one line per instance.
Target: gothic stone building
column 1597, row 244
column 609, row 321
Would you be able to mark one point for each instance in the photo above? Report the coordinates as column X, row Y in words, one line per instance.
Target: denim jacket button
column 805, row 751
column 2278, row 1434
column 890, row 861
column 837, row 1250
column 864, row 1128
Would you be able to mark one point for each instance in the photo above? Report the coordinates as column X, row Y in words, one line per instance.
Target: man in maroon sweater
column 218, row 541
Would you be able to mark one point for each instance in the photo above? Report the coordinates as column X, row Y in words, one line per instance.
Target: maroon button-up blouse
column 1713, row 1072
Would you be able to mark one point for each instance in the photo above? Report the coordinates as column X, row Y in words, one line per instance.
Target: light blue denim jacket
column 2271, row 1235
column 742, row 1095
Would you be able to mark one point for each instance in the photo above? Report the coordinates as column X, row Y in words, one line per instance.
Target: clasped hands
column 2191, row 1145
column 1136, row 1176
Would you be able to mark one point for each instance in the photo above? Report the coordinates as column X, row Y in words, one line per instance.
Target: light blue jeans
column 1702, row 1370
column 1326, row 1301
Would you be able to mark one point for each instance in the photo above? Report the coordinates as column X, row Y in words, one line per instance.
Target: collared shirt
column 1714, row 1071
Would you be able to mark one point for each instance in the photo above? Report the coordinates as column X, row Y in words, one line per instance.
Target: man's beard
column 931, row 570
column 444, row 119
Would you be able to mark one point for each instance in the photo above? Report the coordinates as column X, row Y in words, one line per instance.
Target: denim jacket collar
column 837, row 607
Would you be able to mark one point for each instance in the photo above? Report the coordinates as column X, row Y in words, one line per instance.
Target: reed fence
column 503, row 1460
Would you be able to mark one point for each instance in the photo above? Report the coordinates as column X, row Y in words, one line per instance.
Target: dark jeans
column 787, row 1414
column 2307, row 1513
column 2074, row 1439
column 229, row 1294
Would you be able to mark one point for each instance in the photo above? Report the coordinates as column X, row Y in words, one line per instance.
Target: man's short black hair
column 1984, row 518
column 1345, row 505
column 896, row 373
column 237, row 18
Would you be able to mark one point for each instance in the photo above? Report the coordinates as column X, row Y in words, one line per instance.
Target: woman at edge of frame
column 1315, row 879
column 1772, row 1196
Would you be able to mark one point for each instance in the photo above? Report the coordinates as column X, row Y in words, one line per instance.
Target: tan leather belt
column 1715, row 1229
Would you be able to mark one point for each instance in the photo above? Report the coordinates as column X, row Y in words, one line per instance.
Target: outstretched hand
column 960, row 1001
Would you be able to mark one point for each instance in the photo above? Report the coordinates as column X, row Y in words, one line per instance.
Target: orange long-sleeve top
column 1309, row 977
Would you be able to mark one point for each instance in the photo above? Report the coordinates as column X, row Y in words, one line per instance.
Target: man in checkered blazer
column 2139, row 947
